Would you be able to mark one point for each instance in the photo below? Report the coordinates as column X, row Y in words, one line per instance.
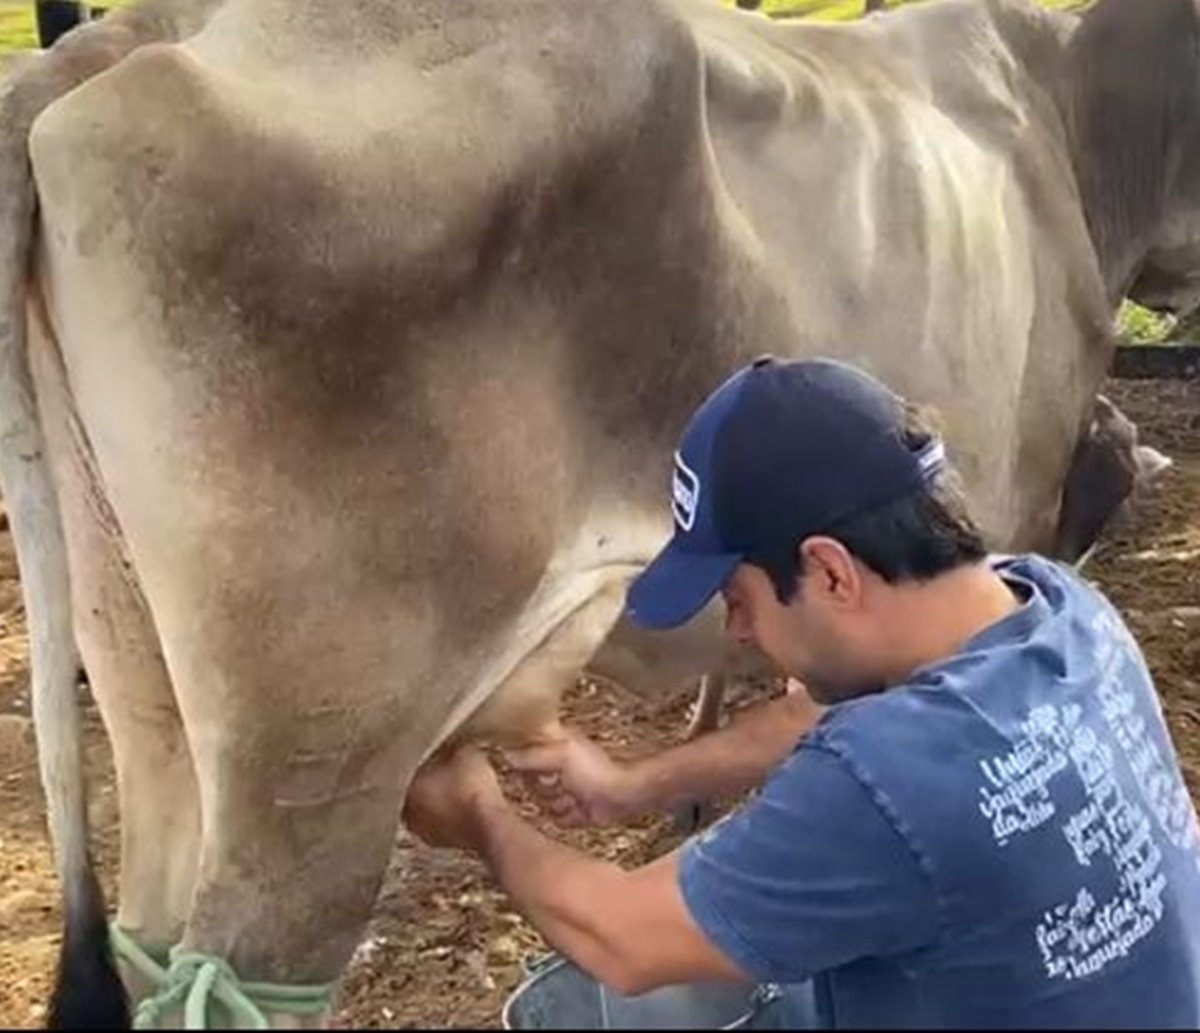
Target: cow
column 344, row 349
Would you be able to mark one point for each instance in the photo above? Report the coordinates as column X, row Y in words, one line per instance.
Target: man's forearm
column 729, row 760
column 572, row 899
column 629, row 929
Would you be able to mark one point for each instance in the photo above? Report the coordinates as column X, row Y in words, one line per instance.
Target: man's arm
column 811, row 875
column 630, row 929
column 579, row 784
column 729, row 760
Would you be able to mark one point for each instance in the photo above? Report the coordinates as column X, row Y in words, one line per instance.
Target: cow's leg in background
column 706, row 717
column 1109, row 470
column 159, row 805
column 57, row 17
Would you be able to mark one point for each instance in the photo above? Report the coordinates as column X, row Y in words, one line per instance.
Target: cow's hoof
column 692, row 817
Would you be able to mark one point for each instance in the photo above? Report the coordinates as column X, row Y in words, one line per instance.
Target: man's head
column 811, row 497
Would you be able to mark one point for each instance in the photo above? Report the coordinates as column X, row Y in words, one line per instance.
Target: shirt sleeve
column 808, row 876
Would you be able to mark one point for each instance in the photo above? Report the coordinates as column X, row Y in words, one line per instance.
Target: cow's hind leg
column 117, row 641
column 159, row 804
column 301, row 777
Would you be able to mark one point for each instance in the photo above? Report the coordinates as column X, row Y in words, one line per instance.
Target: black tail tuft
column 88, row 992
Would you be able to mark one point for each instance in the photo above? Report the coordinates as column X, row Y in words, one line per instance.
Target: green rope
column 137, row 957
column 196, row 980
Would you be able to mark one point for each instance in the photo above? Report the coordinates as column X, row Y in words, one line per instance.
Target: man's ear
column 830, row 572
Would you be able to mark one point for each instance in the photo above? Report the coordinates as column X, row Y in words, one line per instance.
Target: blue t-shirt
column 1005, row 840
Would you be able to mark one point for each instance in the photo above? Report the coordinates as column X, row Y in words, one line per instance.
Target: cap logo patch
column 685, row 494
column 932, row 458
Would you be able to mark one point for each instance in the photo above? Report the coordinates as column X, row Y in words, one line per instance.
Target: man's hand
column 576, row 783
column 448, row 798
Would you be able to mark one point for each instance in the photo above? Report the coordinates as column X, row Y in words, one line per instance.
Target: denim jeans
column 790, row 1006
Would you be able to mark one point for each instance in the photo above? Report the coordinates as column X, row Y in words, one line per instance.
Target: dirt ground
column 443, row 949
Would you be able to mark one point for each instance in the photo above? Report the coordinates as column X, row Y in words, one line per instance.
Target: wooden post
column 56, row 17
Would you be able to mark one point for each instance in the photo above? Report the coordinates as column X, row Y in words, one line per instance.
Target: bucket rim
column 536, row 970
column 539, row 969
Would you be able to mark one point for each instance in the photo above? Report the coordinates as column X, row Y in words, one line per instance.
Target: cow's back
column 910, row 181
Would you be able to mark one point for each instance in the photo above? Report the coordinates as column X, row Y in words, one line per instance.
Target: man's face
column 816, row 638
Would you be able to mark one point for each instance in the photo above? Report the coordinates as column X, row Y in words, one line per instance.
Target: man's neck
column 931, row 621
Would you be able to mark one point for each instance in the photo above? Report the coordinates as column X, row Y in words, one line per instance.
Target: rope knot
column 198, row 981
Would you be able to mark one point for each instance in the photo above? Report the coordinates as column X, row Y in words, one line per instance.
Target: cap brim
column 677, row 585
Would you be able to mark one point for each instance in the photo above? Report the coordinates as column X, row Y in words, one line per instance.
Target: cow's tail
column 88, row 992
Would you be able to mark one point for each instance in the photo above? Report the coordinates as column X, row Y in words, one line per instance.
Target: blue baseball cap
column 779, row 452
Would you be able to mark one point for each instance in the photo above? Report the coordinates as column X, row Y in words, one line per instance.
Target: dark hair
column 914, row 538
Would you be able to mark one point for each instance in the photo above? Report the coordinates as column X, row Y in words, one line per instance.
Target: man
column 987, row 826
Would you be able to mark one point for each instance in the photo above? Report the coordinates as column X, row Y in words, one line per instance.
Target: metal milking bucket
column 556, row 994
